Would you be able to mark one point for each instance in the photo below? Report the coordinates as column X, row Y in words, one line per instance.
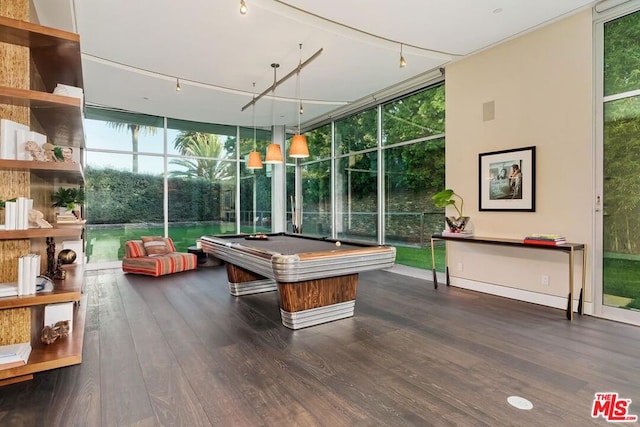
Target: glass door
column 621, row 169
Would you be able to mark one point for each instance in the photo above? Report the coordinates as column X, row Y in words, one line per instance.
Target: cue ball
column 338, row 244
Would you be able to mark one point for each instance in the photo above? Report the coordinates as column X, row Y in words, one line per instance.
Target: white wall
column 542, row 86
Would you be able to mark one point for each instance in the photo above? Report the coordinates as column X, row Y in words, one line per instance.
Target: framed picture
column 508, row 180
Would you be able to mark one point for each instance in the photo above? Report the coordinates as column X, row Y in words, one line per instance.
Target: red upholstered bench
column 156, row 256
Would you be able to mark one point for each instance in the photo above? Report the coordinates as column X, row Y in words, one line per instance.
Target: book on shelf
column 14, row 355
column 462, row 234
column 544, row 239
column 8, row 289
column 28, row 270
column 16, row 213
column 67, row 218
column 554, row 237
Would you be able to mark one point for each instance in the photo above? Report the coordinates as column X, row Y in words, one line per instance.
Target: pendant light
column 403, row 62
column 254, row 161
column 274, row 154
column 299, row 148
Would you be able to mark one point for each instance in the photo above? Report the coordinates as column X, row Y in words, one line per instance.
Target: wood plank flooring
column 182, row 351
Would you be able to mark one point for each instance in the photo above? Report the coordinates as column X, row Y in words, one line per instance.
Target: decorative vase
column 457, row 224
column 67, row 256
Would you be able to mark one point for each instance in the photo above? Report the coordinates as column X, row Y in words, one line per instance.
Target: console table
column 569, row 248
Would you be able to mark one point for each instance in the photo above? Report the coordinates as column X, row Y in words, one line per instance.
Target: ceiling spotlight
column 403, row 62
column 178, row 88
column 243, row 7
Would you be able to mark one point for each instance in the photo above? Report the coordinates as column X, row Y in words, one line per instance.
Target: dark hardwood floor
column 181, row 351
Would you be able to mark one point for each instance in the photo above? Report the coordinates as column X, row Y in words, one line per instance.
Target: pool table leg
column 245, row 282
column 312, row 302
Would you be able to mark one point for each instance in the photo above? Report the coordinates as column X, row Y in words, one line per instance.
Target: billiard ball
column 338, row 244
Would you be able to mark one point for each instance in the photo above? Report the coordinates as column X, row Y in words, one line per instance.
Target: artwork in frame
column 507, row 180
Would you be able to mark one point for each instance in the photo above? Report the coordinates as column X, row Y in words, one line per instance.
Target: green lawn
column 622, row 278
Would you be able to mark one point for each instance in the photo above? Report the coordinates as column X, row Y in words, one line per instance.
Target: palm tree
column 209, row 157
column 136, row 131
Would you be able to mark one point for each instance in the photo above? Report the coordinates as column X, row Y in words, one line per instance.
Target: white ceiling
column 133, row 51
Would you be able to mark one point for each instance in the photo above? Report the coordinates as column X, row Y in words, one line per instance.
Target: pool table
column 316, row 278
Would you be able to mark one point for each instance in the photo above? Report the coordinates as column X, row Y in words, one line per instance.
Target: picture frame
column 507, row 180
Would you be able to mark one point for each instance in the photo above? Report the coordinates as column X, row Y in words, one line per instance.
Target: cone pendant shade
column 254, row 162
column 299, row 147
column 274, row 155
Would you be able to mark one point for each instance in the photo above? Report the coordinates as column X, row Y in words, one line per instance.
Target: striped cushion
column 134, row 249
column 155, row 245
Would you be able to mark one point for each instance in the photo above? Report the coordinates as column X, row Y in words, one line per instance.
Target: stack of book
column 14, row 355
column 28, row 270
column 66, row 217
column 8, row 289
column 16, row 213
column 545, row 239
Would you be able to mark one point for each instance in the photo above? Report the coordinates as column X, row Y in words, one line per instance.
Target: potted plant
column 68, row 198
column 446, row 198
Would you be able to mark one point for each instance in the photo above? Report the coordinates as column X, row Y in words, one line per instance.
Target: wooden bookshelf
column 51, row 57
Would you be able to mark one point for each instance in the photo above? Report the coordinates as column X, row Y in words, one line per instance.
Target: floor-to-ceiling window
column 316, row 184
column 255, row 184
column 201, row 180
column 124, row 175
column 407, row 135
column 621, row 165
column 153, row 176
column 413, row 141
column 356, row 140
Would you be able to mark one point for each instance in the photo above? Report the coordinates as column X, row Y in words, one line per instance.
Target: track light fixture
column 403, row 62
column 299, row 147
column 243, row 7
column 254, row 161
column 178, row 88
column 274, row 154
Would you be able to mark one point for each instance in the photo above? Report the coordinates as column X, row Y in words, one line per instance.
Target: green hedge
column 117, row 197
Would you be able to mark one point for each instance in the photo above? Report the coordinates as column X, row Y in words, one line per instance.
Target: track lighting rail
column 282, row 80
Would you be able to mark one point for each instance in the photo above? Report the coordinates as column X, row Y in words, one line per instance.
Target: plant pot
column 457, row 224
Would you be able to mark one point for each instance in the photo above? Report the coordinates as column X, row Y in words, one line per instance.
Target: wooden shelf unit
column 57, row 59
column 56, row 53
column 72, row 231
column 60, row 116
column 68, row 172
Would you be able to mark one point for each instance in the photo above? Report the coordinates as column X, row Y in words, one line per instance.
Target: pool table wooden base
column 312, row 302
column 302, row 304
column 245, row 282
